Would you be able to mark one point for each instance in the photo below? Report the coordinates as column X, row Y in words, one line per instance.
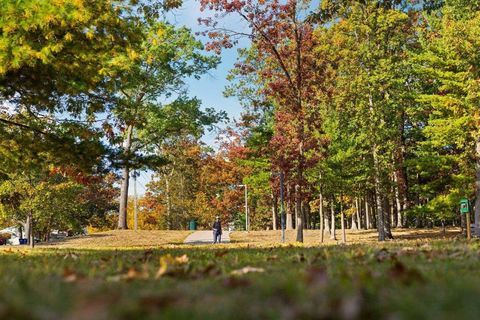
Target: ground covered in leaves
column 312, row 237
column 437, row 279
column 121, row 238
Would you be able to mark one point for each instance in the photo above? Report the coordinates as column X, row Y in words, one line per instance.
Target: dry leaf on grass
column 132, row 274
column 246, row 270
column 71, row 276
column 274, row 257
column 220, row 254
column 168, row 260
column 316, row 276
column 382, row 255
column 404, row 274
column 181, row 260
column 71, row 255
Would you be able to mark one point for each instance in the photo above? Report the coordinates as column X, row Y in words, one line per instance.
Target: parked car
column 13, row 235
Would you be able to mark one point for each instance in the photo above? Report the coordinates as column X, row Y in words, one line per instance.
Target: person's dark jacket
column 218, row 227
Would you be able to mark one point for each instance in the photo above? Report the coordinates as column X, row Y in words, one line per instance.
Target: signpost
column 465, row 209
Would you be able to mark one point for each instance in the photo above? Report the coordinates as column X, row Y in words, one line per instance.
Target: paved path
column 205, row 237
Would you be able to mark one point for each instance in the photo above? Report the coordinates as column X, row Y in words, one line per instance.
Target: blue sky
column 209, row 89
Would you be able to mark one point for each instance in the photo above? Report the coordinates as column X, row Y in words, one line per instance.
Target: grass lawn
column 403, row 279
column 121, row 238
column 312, row 237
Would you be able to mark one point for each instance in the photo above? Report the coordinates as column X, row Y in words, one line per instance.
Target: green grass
column 414, row 280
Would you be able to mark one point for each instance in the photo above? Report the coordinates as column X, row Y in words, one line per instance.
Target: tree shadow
column 53, row 242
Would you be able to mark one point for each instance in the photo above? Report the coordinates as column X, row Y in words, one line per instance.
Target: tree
column 157, row 70
column 368, row 42
column 448, row 157
column 281, row 37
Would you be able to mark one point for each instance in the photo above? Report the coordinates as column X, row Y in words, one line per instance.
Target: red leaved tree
column 281, row 34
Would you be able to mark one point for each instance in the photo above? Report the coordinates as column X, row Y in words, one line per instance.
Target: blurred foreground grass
column 426, row 279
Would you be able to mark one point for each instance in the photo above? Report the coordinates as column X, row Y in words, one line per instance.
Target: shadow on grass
column 69, row 239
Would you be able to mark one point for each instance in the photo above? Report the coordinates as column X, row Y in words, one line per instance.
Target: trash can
column 192, row 225
column 23, row 241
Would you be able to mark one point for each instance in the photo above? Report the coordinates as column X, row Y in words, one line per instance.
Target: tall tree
column 282, row 38
column 447, row 64
column 156, row 72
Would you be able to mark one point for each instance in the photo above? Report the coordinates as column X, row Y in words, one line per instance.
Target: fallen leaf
column 132, row 274
column 316, row 276
column 70, row 255
column 209, row 270
column 168, row 260
column 246, row 270
column 220, row 254
column 163, row 268
column 182, row 259
column 382, row 255
column 274, row 257
column 147, row 254
column 69, row 275
column 300, row 258
column 404, row 274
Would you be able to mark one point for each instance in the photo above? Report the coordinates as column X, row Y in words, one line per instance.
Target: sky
column 209, row 89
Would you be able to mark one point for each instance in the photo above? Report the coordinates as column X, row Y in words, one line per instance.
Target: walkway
column 206, row 237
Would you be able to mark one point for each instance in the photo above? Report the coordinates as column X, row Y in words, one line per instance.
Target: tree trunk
column 295, row 218
column 378, row 197
column 355, row 223
column 357, row 211
column 320, row 212
column 326, row 222
column 274, row 210
column 122, row 214
column 368, row 224
column 333, row 236
column 169, row 203
column 31, row 234
column 398, row 202
column 289, row 221
column 298, row 206
column 400, row 175
column 306, row 215
column 388, row 219
column 477, row 191
column 28, row 230
column 342, row 222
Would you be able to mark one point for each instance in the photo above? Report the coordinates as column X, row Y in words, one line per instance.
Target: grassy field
column 312, row 237
column 121, row 238
column 424, row 278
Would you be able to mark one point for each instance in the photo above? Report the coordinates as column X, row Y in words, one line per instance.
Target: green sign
column 464, row 206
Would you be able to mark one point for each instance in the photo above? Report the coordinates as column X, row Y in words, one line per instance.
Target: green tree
column 447, row 158
column 157, row 71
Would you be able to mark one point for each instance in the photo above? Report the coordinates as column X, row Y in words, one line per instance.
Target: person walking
column 217, row 230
